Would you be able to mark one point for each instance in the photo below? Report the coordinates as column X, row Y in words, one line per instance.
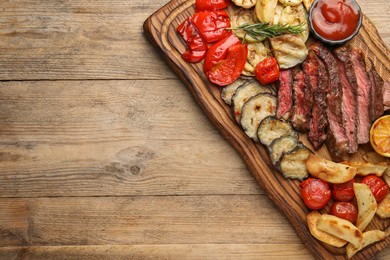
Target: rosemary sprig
column 261, row 31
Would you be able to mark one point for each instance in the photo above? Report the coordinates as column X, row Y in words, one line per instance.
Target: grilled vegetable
column 292, row 164
column 256, row 109
column 383, row 210
column 367, row 205
column 242, row 17
column 307, row 4
column 245, row 92
column 265, row 10
column 294, row 16
column 291, row 2
column 271, row 128
column 280, row 146
column 368, row 168
column 245, row 3
column 369, row 238
column 228, row 91
column 256, row 53
column 289, row 50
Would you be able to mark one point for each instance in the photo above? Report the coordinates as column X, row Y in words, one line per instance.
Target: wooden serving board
column 160, row 28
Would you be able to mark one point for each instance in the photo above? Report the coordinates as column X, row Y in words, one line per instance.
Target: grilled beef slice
column 377, row 107
column 349, row 97
column 285, row 97
column 363, row 95
column 386, row 95
column 316, row 78
column 337, row 141
column 302, row 99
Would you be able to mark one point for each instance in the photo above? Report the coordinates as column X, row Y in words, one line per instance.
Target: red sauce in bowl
column 335, row 19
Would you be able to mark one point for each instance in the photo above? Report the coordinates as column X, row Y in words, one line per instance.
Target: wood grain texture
column 160, row 29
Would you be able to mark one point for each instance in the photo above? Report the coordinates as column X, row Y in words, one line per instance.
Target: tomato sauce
column 335, row 19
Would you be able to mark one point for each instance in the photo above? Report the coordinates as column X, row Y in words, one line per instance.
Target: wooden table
column 105, row 155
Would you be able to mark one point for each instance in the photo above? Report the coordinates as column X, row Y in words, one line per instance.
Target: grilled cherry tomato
column 212, row 25
column 218, row 51
column 202, row 5
column 267, row 71
column 315, row 193
column 345, row 210
column 196, row 45
column 343, row 191
column 228, row 70
column 378, row 187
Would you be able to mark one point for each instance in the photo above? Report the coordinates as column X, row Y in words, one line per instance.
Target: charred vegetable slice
column 280, row 146
column 245, row 92
column 271, row 128
column 292, row 164
column 255, row 110
column 228, row 91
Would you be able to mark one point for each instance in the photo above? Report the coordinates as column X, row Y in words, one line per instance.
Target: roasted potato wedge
column 245, row 3
column 368, row 168
column 383, row 210
column 369, row 238
column 386, row 176
column 340, row 228
column 307, row 4
column 290, row 2
column 366, row 205
column 312, row 219
column 265, row 10
column 329, row 171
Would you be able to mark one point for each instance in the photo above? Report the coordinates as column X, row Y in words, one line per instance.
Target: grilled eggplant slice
column 280, row 146
column 255, row 110
column 228, row 91
column 271, row 128
column 245, row 92
column 293, row 164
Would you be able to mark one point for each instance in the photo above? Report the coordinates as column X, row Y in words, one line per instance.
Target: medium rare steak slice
column 285, row 97
column 337, row 141
column 302, row 99
column 386, row 95
column 349, row 98
column 316, row 78
column 363, row 95
column 377, row 107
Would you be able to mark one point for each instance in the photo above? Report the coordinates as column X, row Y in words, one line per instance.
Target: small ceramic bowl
column 330, row 41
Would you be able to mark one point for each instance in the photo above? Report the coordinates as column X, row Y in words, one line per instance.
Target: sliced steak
column 337, row 141
column 316, row 78
column 386, row 95
column 349, row 98
column 377, row 107
column 363, row 95
column 285, row 97
column 302, row 99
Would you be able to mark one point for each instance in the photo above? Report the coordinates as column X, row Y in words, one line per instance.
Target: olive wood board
column 160, row 29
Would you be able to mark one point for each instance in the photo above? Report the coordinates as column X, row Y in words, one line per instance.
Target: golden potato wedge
column 340, row 228
column 386, row 176
column 369, row 238
column 265, row 10
column 312, row 219
column 383, row 210
column 365, row 169
column 290, row 2
column 374, row 157
column 366, row 205
column 329, row 171
column 245, row 3
column 307, row 4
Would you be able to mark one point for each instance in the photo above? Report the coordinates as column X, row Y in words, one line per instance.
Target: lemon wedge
column 380, row 135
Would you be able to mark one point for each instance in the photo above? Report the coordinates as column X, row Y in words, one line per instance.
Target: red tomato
column 343, row 191
column 267, row 71
column 196, row 45
column 212, row 25
column 344, row 210
column 218, row 51
column 228, row 70
column 378, row 187
column 315, row 193
column 202, row 5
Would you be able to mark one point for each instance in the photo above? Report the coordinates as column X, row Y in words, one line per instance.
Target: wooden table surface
column 104, row 154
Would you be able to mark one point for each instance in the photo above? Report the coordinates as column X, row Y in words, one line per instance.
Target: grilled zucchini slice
column 280, row 146
column 242, row 16
column 245, row 92
column 271, row 128
column 228, row 91
column 255, row 110
column 293, row 164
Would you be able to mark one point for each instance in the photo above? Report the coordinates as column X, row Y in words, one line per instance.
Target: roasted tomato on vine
column 267, row 71
column 226, row 71
column 210, row 5
column 343, row 191
column 196, row 45
column 378, row 187
column 345, row 210
column 315, row 193
column 212, row 25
